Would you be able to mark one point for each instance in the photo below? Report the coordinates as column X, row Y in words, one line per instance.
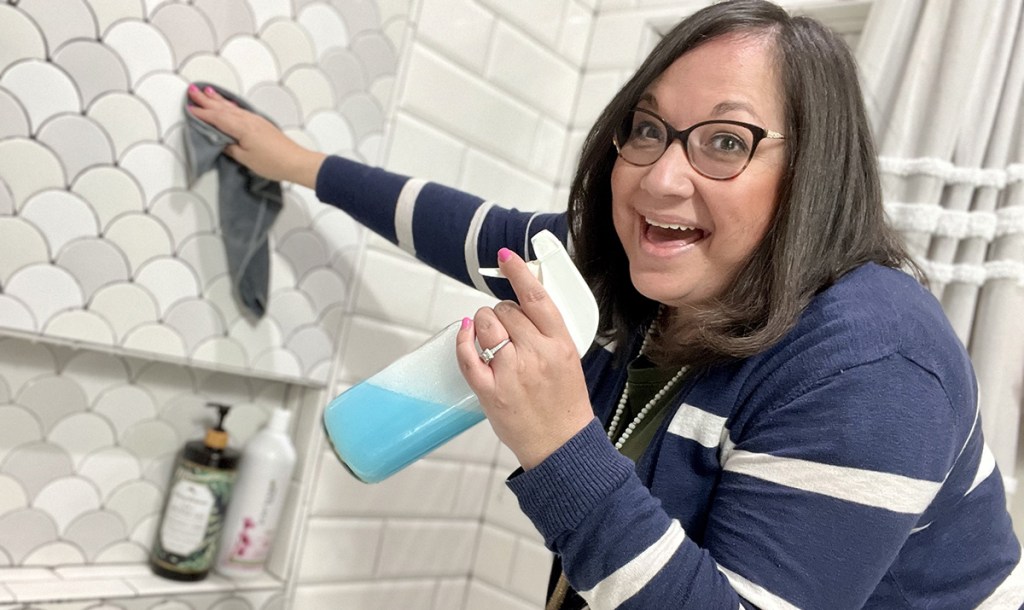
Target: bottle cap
column 279, row 419
column 217, row 437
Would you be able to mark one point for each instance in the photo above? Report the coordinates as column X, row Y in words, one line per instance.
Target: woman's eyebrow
column 732, row 106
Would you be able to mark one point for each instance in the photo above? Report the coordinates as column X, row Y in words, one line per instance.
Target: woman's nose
column 671, row 175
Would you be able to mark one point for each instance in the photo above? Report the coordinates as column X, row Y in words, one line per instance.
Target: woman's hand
column 533, row 391
column 262, row 147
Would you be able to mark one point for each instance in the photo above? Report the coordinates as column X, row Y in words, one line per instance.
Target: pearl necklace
column 624, row 400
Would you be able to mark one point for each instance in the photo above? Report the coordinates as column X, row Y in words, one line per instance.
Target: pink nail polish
column 504, row 254
column 466, row 323
column 209, row 90
column 193, row 87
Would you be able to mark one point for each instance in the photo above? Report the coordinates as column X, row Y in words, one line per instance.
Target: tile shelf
column 30, row 585
column 116, row 350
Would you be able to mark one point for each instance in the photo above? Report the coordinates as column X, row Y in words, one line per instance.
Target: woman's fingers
column 534, row 300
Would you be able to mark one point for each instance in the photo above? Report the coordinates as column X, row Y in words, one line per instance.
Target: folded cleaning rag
column 248, row 205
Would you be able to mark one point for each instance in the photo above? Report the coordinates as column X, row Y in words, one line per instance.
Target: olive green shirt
column 644, row 380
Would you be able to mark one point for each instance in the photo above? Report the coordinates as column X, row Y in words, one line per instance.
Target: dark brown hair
column 829, row 218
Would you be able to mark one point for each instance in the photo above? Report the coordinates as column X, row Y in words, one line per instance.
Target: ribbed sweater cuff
column 563, row 489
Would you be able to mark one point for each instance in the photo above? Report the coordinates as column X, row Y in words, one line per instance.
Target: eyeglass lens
column 717, row 150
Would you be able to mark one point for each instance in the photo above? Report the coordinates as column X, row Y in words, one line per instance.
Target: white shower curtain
column 944, row 81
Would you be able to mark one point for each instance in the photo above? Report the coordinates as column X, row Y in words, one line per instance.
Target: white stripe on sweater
column 471, row 244
column 754, row 593
column 628, row 580
column 404, row 208
column 698, row 425
column 986, row 466
column 1009, row 594
column 872, row 488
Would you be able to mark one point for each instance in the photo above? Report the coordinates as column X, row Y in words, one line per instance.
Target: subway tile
column 451, row 594
column 503, row 183
column 474, row 446
column 472, row 493
column 541, row 19
column 454, row 300
column 575, row 33
column 549, row 148
column 534, row 73
column 495, row 552
column 413, row 548
column 405, row 594
column 573, row 147
column 482, row 595
column 596, row 91
column 420, row 150
column 69, row 590
column 616, row 40
column 531, row 568
column 382, row 294
column 503, row 508
column 339, row 550
column 372, row 344
column 460, row 29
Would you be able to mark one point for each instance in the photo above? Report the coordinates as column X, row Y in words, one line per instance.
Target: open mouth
column 661, row 233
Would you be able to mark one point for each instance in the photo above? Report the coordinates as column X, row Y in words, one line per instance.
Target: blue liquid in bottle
column 376, row 432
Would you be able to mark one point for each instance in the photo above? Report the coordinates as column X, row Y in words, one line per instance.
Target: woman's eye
column 728, row 143
column 646, row 130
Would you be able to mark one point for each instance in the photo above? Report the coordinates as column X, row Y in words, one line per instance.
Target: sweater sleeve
column 454, row 232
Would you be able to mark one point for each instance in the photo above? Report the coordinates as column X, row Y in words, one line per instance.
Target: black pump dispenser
column 197, row 499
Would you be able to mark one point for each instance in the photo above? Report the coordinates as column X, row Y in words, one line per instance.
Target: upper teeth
column 665, row 225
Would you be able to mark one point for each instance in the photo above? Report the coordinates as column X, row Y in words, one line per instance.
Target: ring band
column 488, row 354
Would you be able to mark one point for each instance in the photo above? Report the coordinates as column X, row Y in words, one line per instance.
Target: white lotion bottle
column 264, row 477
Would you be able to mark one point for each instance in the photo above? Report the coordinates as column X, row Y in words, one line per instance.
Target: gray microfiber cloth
column 248, row 205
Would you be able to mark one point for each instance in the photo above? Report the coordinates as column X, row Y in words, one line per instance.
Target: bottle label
column 193, row 517
column 252, row 543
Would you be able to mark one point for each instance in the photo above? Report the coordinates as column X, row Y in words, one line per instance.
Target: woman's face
column 722, row 221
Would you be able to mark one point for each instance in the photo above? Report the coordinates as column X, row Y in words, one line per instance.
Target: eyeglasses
column 719, row 150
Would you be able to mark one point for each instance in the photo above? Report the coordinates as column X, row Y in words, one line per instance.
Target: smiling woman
column 775, row 414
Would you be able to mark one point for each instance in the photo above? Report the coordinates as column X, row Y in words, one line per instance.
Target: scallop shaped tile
column 324, row 287
column 321, row 371
column 282, row 276
column 332, row 132
column 157, row 168
column 61, row 216
column 151, row 439
column 337, row 229
column 155, row 339
column 45, row 290
column 6, row 198
column 13, row 118
column 96, row 262
column 141, row 237
column 219, row 291
column 66, row 498
column 44, row 89
column 196, row 320
column 256, row 338
column 34, row 465
column 22, row 362
column 364, row 114
column 142, row 46
column 126, row 119
column 94, row 67
column 24, row 245
column 170, row 280
column 211, row 68
column 164, row 93
column 291, row 309
column 95, row 530
column 52, row 399
column 187, row 30
column 134, row 501
column 188, row 415
column 325, row 27
column 222, row 387
column 125, row 406
column 54, row 554
column 184, row 214
column 278, row 360
column 109, row 469
column 370, row 148
column 360, row 16
column 290, row 43
column 376, row 54
column 311, row 345
column 29, row 167
column 12, row 495
column 382, row 90
column 110, row 192
column 264, row 11
column 20, row 427
column 277, row 103
column 311, row 88
column 295, row 214
column 221, row 351
column 5, row 391
column 22, row 37
column 122, row 552
column 229, row 17
column 108, row 12
column 144, row 533
column 82, row 434
column 253, row 60
column 78, row 141
column 25, row 530
column 125, row 306
column 95, row 372
column 73, row 20
column 304, row 250
column 344, row 72
column 205, row 254
column 80, row 326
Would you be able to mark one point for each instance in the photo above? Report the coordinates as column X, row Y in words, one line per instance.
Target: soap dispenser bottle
column 264, row 476
column 198, row 496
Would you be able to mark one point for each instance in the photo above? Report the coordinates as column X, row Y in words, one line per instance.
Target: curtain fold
column 944, row 83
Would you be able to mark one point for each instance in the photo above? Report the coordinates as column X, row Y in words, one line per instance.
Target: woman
column 803, row 420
